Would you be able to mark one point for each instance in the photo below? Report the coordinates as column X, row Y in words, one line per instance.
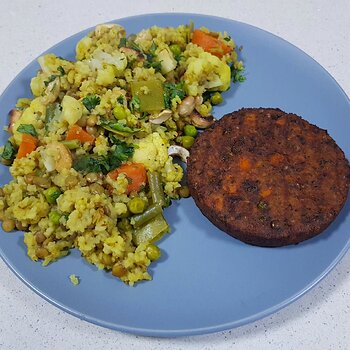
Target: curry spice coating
column 267, row 177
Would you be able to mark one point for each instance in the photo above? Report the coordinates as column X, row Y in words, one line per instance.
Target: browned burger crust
column 267, row 177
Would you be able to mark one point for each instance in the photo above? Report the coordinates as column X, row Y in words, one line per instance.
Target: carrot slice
column 28, row 145
column 265, row 193
column 78, row 133
column 136, row 174
column 245, row 164
column 209, row 43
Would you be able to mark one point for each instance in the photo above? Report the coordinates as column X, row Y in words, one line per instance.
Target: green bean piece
column 71, row 144
column 216, row 98
column 136, row 205
column 187, row 141
column 190, row 130
column 54, row 217
column 152, row 231
column 153, row 252
column 51, row 194
column 156, row 188
column 147, row 215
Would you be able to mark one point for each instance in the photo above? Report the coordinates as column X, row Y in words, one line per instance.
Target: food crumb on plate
column 74, row 279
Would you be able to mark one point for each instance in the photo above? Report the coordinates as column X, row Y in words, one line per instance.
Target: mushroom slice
column 14, row 115
column 200, row 121
column 179, row 151
column 161, row 117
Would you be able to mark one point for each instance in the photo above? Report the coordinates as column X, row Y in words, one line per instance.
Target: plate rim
column 186, row 331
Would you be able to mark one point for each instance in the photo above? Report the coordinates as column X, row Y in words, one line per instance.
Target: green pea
column 136, row 205
column 153, row 252
column 190, row 130
column 54, row 217
column 51, row 194
column 187, row 141
column 119, row 112
column 216, row 98
column 175, row 49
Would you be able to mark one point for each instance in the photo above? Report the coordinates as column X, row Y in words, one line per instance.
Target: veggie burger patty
column 267, row 177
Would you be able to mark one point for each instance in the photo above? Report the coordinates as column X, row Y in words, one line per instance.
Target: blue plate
column 206, row 281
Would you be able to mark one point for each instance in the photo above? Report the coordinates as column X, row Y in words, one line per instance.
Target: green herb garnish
column 27, row 129
column 91, row 164
column 122, row 43
column 61, row 70
column 135, row 104
column 120, row 99
column 119, row 128
column 104, row 164
column 50, row 79
column 237, row 75
column 171, row 91
column 91, row 101
column 9, row 152
column 156, row 65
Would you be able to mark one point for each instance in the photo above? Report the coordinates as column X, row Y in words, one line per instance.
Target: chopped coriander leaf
column 228, row 38
column 130, row 43
column 118, row 128
column 120, row 99
column 207, row 95
column 9, row 151
column 172, row 90
column 50, row 79
column 27, row 129
column 61, row 70
column 134, row 46
column 104, row 164
column 91, row 101
column 122, row 43
column 156, row 65
column 153, row 48
column 135, row 104
column 237, row 75
column 122, row 151
column 91, row 164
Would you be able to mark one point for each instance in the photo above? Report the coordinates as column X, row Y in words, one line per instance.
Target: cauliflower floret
column 116, row 58
column 72, row 109
column 206, row 72
column 105, row 76
column 83, row 47
column 37, row 85
column 166, row 59
column 51, row 64
column 172, row 172
column 151, row 151
column 29, row 116
column 48, row 63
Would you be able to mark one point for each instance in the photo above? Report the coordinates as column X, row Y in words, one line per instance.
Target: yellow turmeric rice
column 92, row 152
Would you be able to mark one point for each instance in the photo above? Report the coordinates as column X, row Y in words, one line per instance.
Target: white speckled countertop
column 321, row 318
